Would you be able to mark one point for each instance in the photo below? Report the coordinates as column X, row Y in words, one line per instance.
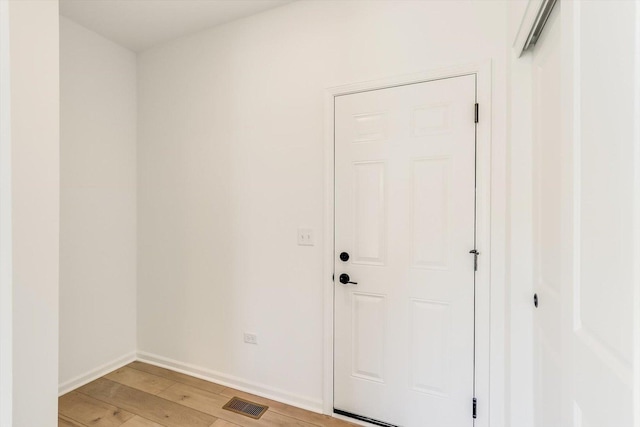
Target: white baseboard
column 262, row 390
column 100, row 371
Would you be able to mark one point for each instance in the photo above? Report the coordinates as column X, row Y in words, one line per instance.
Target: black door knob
column 344, row 279
column 344, row 257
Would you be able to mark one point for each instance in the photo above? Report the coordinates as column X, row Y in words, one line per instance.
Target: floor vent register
column 245, row 407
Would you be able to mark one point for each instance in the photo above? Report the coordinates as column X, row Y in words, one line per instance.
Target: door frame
column 488, row 348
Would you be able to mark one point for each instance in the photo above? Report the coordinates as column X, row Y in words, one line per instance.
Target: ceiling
column 140, row 24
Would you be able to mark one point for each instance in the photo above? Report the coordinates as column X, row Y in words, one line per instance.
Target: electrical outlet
column 250, row 338
column 305, row 237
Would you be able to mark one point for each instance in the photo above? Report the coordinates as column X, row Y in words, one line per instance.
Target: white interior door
column 604, row 141
column 586, row 223
column 405, row 215
column 548, row 223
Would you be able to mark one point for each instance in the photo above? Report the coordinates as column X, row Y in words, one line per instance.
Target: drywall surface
column 6, row 284
column 519, row 360
column 230, row 164
column 35, row 145
column 98, row 203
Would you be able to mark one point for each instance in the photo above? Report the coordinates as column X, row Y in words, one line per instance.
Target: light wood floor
column 143, row 395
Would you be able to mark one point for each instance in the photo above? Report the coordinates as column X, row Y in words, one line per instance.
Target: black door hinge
column 477, row 112
column 475, row 258
column 475, row 407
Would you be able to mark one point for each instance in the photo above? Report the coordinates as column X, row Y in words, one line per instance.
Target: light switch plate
column 305, row 237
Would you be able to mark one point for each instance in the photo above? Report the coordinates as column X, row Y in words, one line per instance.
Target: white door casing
column 405, row 212
column 547, row 223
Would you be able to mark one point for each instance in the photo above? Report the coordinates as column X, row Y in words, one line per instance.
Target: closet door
column 601, row 334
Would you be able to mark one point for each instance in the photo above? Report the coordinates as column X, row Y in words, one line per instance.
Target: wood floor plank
column 91, row 412
column 328, row 421
column 177, row 377
column 158, row 397
column 138, row 421
column 144, row 381
column 212, row 404
column 146, row 405
column 68, row 422
column 288, row 410
column 223, row 423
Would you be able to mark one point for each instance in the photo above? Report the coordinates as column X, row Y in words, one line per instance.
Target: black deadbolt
column 344, row 279
column 344, row 257
column 535, row 300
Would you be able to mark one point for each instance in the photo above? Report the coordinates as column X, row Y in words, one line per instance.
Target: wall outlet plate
column 305, row 237
column 250, row 338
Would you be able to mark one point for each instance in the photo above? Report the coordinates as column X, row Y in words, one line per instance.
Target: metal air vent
column 244, row 407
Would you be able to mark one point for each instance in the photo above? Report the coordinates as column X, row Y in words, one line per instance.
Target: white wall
column 519, row 400
column 6, row 285
column 35, row 146
column 98, row 204
column 230, row 163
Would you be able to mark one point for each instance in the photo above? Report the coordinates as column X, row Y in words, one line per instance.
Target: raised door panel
column 430, row 347
column 369, row 221
column 431, row 214
column 368, row 332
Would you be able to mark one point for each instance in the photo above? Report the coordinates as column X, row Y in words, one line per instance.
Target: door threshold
column 362, row 418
